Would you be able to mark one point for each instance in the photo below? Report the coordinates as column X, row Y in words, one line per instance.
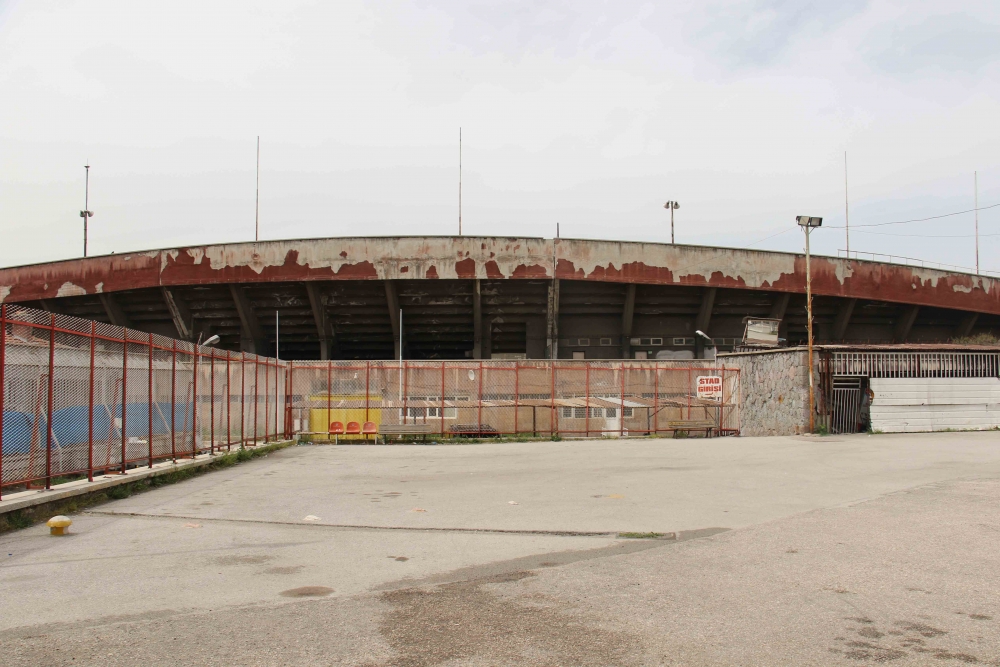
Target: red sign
column 710, row 387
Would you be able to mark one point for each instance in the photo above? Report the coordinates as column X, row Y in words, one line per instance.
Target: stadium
column 467, row 297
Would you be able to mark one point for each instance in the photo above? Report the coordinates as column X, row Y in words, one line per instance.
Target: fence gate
column 846, row 409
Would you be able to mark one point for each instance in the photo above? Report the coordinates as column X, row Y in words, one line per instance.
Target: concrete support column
column 324, row 328
column 703, row 320
column 392, row 299
column 627, row 316
column 905, row 323
column 536, row 338
column 477, row 321
column 552, row 321
column 251, row 335
column 965, row 327
column 843, row 319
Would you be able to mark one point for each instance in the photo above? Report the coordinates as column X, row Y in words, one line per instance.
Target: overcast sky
column 587, row 113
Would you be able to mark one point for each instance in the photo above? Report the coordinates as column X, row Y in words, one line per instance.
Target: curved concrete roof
column 496, row 258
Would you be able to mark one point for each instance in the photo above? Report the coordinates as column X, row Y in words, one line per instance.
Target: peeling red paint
column 497, row 259
column 466, row 269
column 534, row 271
column 493, row 271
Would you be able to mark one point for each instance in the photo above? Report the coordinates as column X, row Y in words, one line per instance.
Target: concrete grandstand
column 494, row 297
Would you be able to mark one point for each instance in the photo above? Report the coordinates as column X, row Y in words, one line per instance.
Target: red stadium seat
column 370, row 428
column 353, row 428
column 336, row 428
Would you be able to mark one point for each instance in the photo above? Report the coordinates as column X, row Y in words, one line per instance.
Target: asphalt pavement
column 763, row 551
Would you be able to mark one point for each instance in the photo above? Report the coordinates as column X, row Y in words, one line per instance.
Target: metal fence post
column 194, row 404
column 124, row 394
column 479, row 426
column 229, row 403
column 621, row 415
column 256, row 397
column 688, row 392
column 150, row 401
column 173, row 403
column 552, row 396
column 656, row 397
column 211, row 405
column 722, row 398
column 267, row 396
column 368, row 370
column 3, row 382
column 90, row 403
column 329, row 396
column 586, row 393
column 517, row 392
column 243, row 399
column 49, row 431
column 442, row 399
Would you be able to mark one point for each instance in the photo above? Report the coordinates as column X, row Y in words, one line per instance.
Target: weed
column 119, row 492
column 18, row 520
column 640, row 536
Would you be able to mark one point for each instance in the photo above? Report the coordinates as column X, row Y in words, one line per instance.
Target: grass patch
column 640, row 536
column 28, row 516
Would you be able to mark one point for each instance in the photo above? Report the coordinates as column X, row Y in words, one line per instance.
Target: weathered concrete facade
column 479, row 297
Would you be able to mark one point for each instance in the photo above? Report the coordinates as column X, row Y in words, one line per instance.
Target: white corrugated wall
column 934, row 404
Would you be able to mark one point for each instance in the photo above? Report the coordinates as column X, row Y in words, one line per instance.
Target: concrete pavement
column 846, row 550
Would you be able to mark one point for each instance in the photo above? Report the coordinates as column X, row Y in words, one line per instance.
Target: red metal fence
column 513, row 397
column 82, row 398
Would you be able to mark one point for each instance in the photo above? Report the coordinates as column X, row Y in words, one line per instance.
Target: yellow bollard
column 58, row 525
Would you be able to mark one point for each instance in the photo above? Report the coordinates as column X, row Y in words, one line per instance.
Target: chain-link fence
column 81, row 398
column 524, row 397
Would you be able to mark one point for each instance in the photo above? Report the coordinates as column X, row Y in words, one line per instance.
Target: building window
column 607, row 342
column 567, row 413
column 580, row 413
column 626, row 412
column 610, row 413
column 579, row 355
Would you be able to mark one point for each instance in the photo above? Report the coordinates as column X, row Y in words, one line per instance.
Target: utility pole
column 808, row 223
column 460, row 181
column 847, row 218
column 975, row 187
column 86, row 213
column 256, row 213
column 673, row 206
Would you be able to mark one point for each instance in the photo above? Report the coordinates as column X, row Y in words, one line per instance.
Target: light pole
column 808, row 223
column 86, row 213
column 673, row 206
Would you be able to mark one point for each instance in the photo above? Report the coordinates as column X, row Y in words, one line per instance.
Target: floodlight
column 808, row 221
column 212, row 341
column 704, row 335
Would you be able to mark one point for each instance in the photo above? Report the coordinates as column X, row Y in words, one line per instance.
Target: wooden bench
column 706, row 425
column 397, row 430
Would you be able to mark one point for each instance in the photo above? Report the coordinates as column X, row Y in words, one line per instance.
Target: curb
column 19, row 510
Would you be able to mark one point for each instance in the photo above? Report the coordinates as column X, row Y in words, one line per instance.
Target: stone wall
column 774, row 390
